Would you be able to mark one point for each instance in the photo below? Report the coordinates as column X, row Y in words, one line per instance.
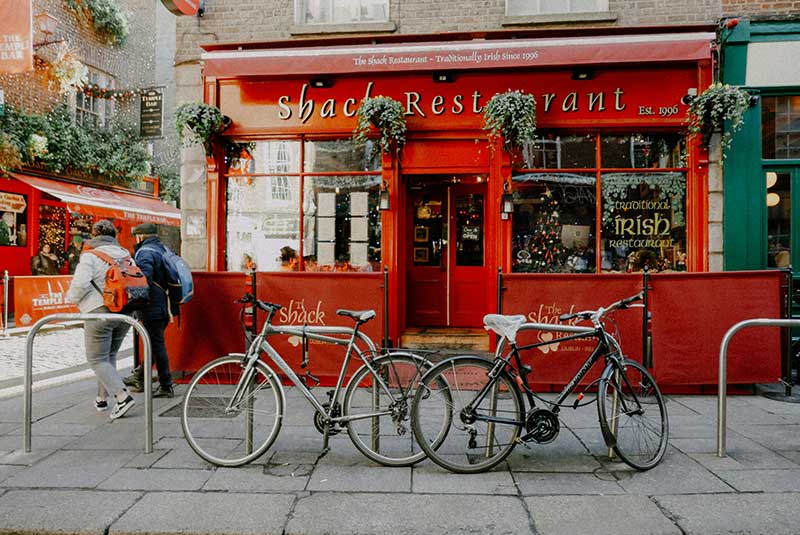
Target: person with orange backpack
column 107, row 280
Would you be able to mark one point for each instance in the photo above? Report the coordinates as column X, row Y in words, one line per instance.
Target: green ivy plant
column 107, row 18
column 197, row 122
column 668, row 186
column 10, row 156
column 511, row 115
column 387, row 115
column 709, row 111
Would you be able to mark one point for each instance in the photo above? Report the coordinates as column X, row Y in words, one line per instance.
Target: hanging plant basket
column 385, row 114
column 512, row 116
column 709, row 111
column 197, row 122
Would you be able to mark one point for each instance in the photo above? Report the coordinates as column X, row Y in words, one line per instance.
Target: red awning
column 105, row 203
column 459, row 55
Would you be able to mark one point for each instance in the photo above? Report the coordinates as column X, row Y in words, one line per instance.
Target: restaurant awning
column 459, row 55
column 85, row 199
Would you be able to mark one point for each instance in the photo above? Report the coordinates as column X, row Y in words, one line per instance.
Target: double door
column 446, row 254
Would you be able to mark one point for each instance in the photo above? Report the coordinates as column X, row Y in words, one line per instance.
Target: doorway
column 446, row 251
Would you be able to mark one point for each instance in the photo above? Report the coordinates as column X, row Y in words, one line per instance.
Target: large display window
column 600, row 203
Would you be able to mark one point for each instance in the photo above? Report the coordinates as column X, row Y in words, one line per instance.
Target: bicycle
column 483, row 408
column 234, row 406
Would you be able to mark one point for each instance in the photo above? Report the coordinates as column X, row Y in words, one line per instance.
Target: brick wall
column 735, row 8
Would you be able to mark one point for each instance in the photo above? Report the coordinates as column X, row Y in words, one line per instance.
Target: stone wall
column 715, row 177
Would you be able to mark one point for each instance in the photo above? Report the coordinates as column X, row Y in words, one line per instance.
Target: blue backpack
column 180, row 285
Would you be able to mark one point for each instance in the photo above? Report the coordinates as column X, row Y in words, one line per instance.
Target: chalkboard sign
column 151, row 113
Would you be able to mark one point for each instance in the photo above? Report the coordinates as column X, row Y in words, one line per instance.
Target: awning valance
column 460, row 55
column 80, row 198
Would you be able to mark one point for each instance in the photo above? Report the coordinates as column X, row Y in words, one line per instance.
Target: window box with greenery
column 385, row 114
column 199, row 123
column 709, row 111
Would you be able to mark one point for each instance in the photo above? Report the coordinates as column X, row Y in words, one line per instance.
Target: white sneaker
column 122, row 407
column 101, row 404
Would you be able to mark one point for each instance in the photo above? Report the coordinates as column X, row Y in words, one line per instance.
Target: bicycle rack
column 723, row 370
column 148, row 380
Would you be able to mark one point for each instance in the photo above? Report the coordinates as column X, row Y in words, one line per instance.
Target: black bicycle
column 480, row 400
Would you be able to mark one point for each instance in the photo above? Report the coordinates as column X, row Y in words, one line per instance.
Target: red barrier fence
column 37, row 297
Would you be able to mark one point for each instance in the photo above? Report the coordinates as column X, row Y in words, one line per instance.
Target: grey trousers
column 103, row 339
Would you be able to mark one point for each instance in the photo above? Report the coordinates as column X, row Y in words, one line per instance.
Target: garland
column 388, row 116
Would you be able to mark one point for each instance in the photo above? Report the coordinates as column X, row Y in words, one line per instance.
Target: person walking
column 103, row 338
column 157, row 314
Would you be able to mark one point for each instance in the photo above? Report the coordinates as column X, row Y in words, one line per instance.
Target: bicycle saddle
column 358, row 315
column 506, row 326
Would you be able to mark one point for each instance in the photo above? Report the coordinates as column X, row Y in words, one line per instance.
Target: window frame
column 301, row 10
column 601, row 6
column 106, row 108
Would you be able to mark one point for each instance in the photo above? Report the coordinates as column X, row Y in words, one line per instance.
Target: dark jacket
column 152, row 265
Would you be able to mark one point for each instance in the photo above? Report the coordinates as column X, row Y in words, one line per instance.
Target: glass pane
column 552, row 151
column 263, row 225
column 779, row 219
column 553, row 6
column 342, row 223
column 429, row 231
column 644, row 221
column 780, row 127
column 272, row 157
column 316, row 12
column 469, row 229
column 340, row 155
column 52, row 240
column 584, row 5
column 643, row 151
column 13, row 217
column 554, row 223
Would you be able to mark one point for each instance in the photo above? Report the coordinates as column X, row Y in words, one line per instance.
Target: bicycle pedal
column 523, row 443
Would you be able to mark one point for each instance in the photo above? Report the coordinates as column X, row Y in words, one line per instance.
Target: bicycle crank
column 320, row 419
column 542, row 426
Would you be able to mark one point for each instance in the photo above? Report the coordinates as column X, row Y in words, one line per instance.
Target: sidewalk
column 89, row 475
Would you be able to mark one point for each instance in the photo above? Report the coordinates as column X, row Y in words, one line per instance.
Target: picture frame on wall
column 421, row 255
column 420, row 234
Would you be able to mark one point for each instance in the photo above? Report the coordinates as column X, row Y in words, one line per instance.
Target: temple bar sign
column 151, row 113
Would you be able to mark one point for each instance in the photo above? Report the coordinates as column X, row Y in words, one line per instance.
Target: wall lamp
column 383, row 201
column 506, row 202
column 321, row 83
column 582, row 73
column 46, row 24
column 442, row 77
column 690, row 95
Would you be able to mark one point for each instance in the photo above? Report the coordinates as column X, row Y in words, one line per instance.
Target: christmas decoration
column 66, row 70
column 546, row 250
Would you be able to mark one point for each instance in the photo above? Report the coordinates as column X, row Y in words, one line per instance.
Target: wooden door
column 426, row 259
column 467, row 255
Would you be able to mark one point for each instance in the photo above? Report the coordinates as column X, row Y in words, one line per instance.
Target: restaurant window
column 779, row 218
column 544, row 7
column 91, row 110
column 639, row 219
column 780, row 127
column 340, row 185
column 13, row 219
column 341, row 11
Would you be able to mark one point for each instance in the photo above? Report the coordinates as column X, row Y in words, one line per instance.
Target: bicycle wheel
column 384, row 434
column 633, row 415
column 447, row 397
column 239, row 435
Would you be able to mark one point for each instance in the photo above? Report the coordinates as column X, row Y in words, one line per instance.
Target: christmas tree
column 547, row 252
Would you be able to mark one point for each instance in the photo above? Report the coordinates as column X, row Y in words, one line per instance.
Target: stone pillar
column 715, row 197
column 189, row 87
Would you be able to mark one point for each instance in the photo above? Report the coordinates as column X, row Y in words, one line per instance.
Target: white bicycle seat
column 506, row 326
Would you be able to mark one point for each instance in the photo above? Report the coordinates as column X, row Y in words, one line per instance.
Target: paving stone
column 430, row 479
column 743, row 458
column 8, row 470
column 15, row 442
column 762, row 480
column 356, row 479
column 19, row 457
column 541, row 460
column 401, row 514
column 676, row 474
column 156, row 479
column 537, row 484
column 793, row 456
column 54, row 511
column 598, row 515
column 768, row 514
column 121, row 434
column 255, row 479
column 7, row 428
column 774, row 437
column 146, row 460
column 72, row 469
column 210, row 513
column 47, row 428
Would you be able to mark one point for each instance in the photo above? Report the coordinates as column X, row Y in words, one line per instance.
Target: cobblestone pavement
column 52, row 350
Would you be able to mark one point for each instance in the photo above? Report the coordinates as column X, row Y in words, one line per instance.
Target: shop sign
column 182, row 7
column 151, row 113
column 37, row 297
column 16, row 44
column 12, row 202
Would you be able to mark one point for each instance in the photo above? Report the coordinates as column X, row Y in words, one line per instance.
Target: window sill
column 560, row 18
column 364, row 27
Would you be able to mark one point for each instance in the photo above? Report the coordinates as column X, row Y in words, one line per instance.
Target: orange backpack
column 126, row 287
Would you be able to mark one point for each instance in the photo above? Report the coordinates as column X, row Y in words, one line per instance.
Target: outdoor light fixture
column 383, row 200
column 772, row 178
column 773, row 199
column 46, row 24
column 507, row 200
column 321, row 83
column 582, row 73
column 687, row 99
column 443, row 77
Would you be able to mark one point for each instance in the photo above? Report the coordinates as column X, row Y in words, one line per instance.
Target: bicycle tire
column 460, row 450
column 395, row 444
column 641, row 437
column 220, row 436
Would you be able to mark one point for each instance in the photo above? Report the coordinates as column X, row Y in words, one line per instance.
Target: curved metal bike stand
column 148, row 380
column 723, row 371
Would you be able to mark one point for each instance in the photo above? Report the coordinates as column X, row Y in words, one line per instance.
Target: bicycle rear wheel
column 633, row 415
column 239, row 435
column 447, row 398
column 384, row 433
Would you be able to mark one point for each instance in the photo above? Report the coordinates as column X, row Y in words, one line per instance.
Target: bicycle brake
column 308, row 376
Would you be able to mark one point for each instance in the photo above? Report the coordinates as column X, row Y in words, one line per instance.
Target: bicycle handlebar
column 597, row 315
column 266, row 306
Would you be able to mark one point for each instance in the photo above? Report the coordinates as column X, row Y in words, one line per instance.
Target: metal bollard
column 148, row 379
column 5, row 334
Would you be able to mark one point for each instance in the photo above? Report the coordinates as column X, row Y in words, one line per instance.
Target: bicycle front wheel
column 633, row 415
column 381, row 424
column 225, row 433
column 481, row 431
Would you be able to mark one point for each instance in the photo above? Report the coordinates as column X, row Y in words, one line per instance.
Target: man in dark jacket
column 157, row 314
